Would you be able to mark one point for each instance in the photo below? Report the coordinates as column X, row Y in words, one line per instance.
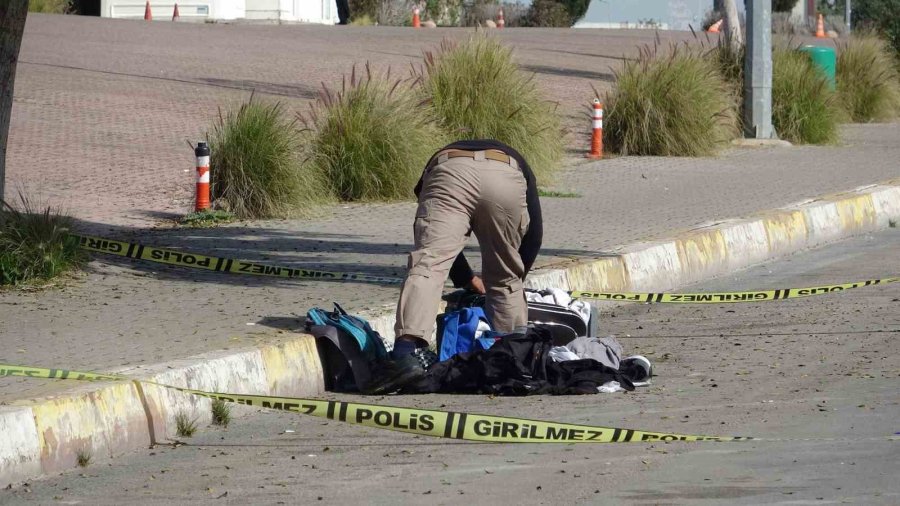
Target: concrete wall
column 664, row 14
column 199, row 10
column 302, row 11
column 305, row 11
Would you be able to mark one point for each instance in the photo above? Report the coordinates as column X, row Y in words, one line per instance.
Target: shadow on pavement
column 558, row 71
column 291, row 323
column 595, row 55
column 276, row 246
column 284, row 90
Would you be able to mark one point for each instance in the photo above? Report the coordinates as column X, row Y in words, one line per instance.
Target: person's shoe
column 638, row 369
column 390, row 375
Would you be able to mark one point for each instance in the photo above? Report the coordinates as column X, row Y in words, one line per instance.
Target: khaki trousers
column 460, row 195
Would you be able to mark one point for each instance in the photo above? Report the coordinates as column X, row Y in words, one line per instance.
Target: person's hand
column 476, row 285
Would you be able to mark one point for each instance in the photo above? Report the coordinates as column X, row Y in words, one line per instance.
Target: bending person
column 480, row 186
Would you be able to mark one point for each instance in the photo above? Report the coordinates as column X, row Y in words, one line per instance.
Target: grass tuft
column 255, row 169
column 672, row 103
column 364, row 20
column 371, row 139
column 729, row 59
column 479, row 92
column 207, row 218
column 804, row 108
column 221, row 412
column 185, row 425
column 868, row 82
column 83, row 457
column 542, row 192
column 50, row 6
column 35, row 245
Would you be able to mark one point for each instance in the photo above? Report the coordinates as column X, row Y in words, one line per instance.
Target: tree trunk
column 12, row 23
column 733, row 24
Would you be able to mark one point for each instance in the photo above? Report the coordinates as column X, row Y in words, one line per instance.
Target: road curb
column 714, row 249
column 104, row 420
column 44, row 436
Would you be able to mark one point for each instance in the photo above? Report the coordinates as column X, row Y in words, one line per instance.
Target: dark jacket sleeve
column 460, row 272
column 531, row 243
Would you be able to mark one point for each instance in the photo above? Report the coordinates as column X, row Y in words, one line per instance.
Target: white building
column 288, row 11
column 666, row 14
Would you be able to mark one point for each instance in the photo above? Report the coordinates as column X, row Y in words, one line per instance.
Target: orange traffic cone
column 500, row 21
column 148, row 16
column 820, row 27
column 175, row 15
column 416, row 22
column 715, row 27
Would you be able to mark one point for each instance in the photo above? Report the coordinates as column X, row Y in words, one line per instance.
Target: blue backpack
column 459, row 331
column 370, row 344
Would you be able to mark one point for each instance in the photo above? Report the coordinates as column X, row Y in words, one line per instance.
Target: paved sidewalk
column 817, row 368
column 102, row 110
column 125, row 313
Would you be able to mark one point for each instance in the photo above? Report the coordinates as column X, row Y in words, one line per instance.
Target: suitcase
column 563, row 323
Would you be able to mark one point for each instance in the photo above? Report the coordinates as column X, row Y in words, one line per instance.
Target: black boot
column 390, row 375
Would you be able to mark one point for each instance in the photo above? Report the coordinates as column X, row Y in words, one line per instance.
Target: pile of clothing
column 558, row 354
column 529, row 364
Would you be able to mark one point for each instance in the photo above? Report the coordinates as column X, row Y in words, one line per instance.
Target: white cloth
column 610, row 387
column 481, row 328
column 561, row 354
column 583, row 309
column 559, row 297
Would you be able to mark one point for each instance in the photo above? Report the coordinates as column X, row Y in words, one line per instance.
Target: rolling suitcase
column 563, row 323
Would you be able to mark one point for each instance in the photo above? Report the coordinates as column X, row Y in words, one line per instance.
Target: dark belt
column 489, row 154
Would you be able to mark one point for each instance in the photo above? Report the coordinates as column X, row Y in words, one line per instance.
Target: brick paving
column 110, row 147
column 103, row 108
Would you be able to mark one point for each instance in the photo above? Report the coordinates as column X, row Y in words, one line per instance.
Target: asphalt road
column 820, row 376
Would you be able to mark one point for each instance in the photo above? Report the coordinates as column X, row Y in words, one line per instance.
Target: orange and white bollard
column 202, row 154
column 715, row 27
column 820, row 27
column 500, row 21
column 416, row 21
column 597, row 135
column 148, row 14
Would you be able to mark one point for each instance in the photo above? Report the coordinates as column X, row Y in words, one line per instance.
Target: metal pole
column 847, row 12
column 758, row 71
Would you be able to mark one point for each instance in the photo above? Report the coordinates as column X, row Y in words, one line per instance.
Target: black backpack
column 347, row 346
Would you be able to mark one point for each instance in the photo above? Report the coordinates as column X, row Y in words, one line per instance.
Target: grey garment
column 459, row 195
column 605, row 350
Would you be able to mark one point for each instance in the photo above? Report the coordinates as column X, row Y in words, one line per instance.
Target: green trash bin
column 824, row 59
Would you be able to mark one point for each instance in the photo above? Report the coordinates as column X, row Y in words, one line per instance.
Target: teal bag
column 370, row 343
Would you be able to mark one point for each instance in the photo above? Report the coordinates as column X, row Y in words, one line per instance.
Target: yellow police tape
column 730, row 297
column 221, row 264
column 426, row 422
column 217, row 264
